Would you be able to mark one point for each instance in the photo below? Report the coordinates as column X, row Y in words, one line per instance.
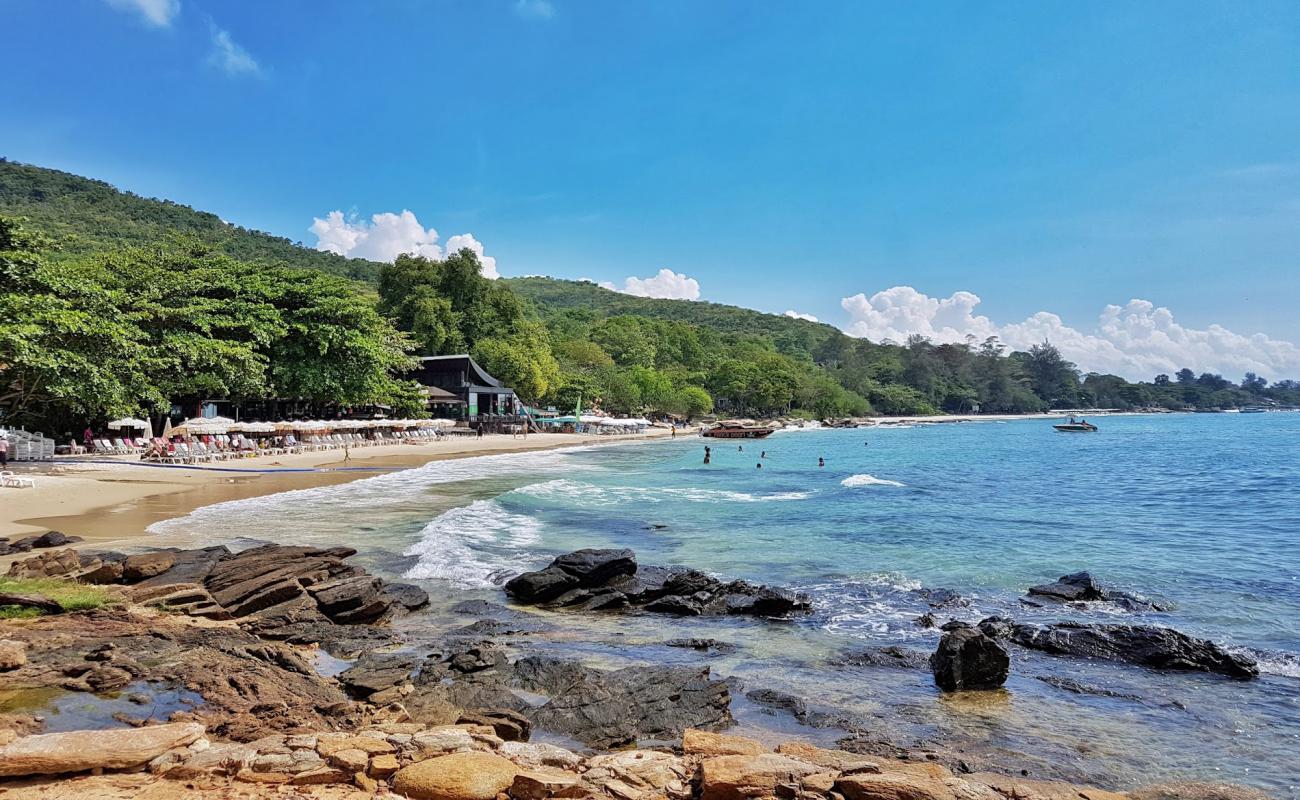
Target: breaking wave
column 475, row 546
column 855, row 481
column 589, row 494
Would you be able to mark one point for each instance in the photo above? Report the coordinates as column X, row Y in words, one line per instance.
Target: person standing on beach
column 88, row 439
column 4, row 451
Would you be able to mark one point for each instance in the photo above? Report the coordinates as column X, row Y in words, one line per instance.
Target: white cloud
column 1137, row 340
column 387, row 236
column 230, row 57
column 800, row 315
column 535, row 9
column 456, row 243
column 665, row 284
column 158, row 13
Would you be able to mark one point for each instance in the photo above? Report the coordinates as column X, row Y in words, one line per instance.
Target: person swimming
column 763, row 454
column 759, row 465
column 821, row 462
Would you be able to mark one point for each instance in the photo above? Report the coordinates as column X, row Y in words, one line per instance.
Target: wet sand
column 116, row 498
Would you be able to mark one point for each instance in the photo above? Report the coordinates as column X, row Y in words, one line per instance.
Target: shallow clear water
column 1196, row 510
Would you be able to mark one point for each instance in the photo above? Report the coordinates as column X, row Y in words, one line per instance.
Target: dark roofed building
column 458, row 383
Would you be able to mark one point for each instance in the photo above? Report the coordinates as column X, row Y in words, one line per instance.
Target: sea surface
column 1200, row 511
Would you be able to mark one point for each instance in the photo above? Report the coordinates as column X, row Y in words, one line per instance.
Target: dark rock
column 579, row 569
column 1148, row 646
column 941, row 598
column 890, row 656
column 55, row 539
column 927, row 620
column 189, row 566
column 703, row 645
column 23, row 545
column 968, row 659
column 996, row 627
column 954, row 625
column 482, row 608
column 374, row 673
column 797, row 707
column 1079, row 586
column 406, row 595
column 509, row 724
column 682, row 606
column 476, row 659
column 266, row 576
column 609, row 709
column 1076, row 687
column 351, row 600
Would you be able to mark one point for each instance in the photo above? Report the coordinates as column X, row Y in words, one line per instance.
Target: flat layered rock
column 458, row 776
column 78, row 751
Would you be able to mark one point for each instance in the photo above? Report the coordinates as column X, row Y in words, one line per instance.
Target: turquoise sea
column 1201, row 511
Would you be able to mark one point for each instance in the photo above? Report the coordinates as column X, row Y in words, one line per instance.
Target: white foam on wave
column 474, row 546
column 1272, row 662
column 333, row 514
column 589, row 494
column 857, row 481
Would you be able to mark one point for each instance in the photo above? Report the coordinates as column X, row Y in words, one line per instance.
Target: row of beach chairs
column 224, row 447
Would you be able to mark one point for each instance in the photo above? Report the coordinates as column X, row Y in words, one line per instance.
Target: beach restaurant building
column 459, row 388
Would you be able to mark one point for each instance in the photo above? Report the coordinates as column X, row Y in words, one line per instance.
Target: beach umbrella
column 167, row 428
column 129, row 422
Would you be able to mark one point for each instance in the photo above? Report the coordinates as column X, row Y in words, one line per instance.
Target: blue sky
column 1048, row 157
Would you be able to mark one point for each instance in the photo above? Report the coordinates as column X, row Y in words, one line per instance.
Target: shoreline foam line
column 234, row 469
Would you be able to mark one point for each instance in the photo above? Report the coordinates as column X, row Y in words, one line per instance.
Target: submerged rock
column 890, row 656
column 968, row 659
column 1145, row 645
column 1081, row 587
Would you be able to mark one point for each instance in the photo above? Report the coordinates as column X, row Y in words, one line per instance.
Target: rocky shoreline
column 212, row 651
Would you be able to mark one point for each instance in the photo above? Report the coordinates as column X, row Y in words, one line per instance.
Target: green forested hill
column 84, row 216
column 794, row 336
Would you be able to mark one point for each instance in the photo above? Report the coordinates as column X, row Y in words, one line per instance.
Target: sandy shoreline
column 116, row 498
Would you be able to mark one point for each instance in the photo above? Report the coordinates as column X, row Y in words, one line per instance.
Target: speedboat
column 1076, row 426
column 727, row 430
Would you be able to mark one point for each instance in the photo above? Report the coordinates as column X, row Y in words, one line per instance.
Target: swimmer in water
column 759, row 465
column 821, row 462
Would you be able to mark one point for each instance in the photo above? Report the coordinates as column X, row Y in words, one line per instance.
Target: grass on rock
column 71, row 595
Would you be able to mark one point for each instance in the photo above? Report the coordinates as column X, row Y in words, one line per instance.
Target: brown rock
column 459, row 776
column 106, row 572
column 1025, row 789
column 705, row 743
column 76, row 751
column 840, row 760
column 144, row 594
column 146, row 565
column 328, row 744
column 46, row 565
column 351, row 759
column 1196, row 790
column 635, row 774
column 320, row 775
column 739, row 777
column 383, row 766
column 249, row 776
column 365, row 783
column 12, row 654
column 539, row 785
column 934, row 783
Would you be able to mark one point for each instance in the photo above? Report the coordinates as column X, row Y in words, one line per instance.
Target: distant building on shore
column 461, row 389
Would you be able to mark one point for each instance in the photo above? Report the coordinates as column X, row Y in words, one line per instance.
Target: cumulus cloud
column 158, row 13
column 460, row 241
column 800, row 315
column 535, row 9
column 1137, row 340
column 230, row 57
column 387, row 235
column 666, row 284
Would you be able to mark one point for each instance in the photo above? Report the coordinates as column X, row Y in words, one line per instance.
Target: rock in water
column 1145, row 645
column 78, row 751
column 459, row 776
column 577, row 570
column 968, row 659
column 1079, row 586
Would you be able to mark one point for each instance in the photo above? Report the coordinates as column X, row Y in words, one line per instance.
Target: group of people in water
column 708, row 456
